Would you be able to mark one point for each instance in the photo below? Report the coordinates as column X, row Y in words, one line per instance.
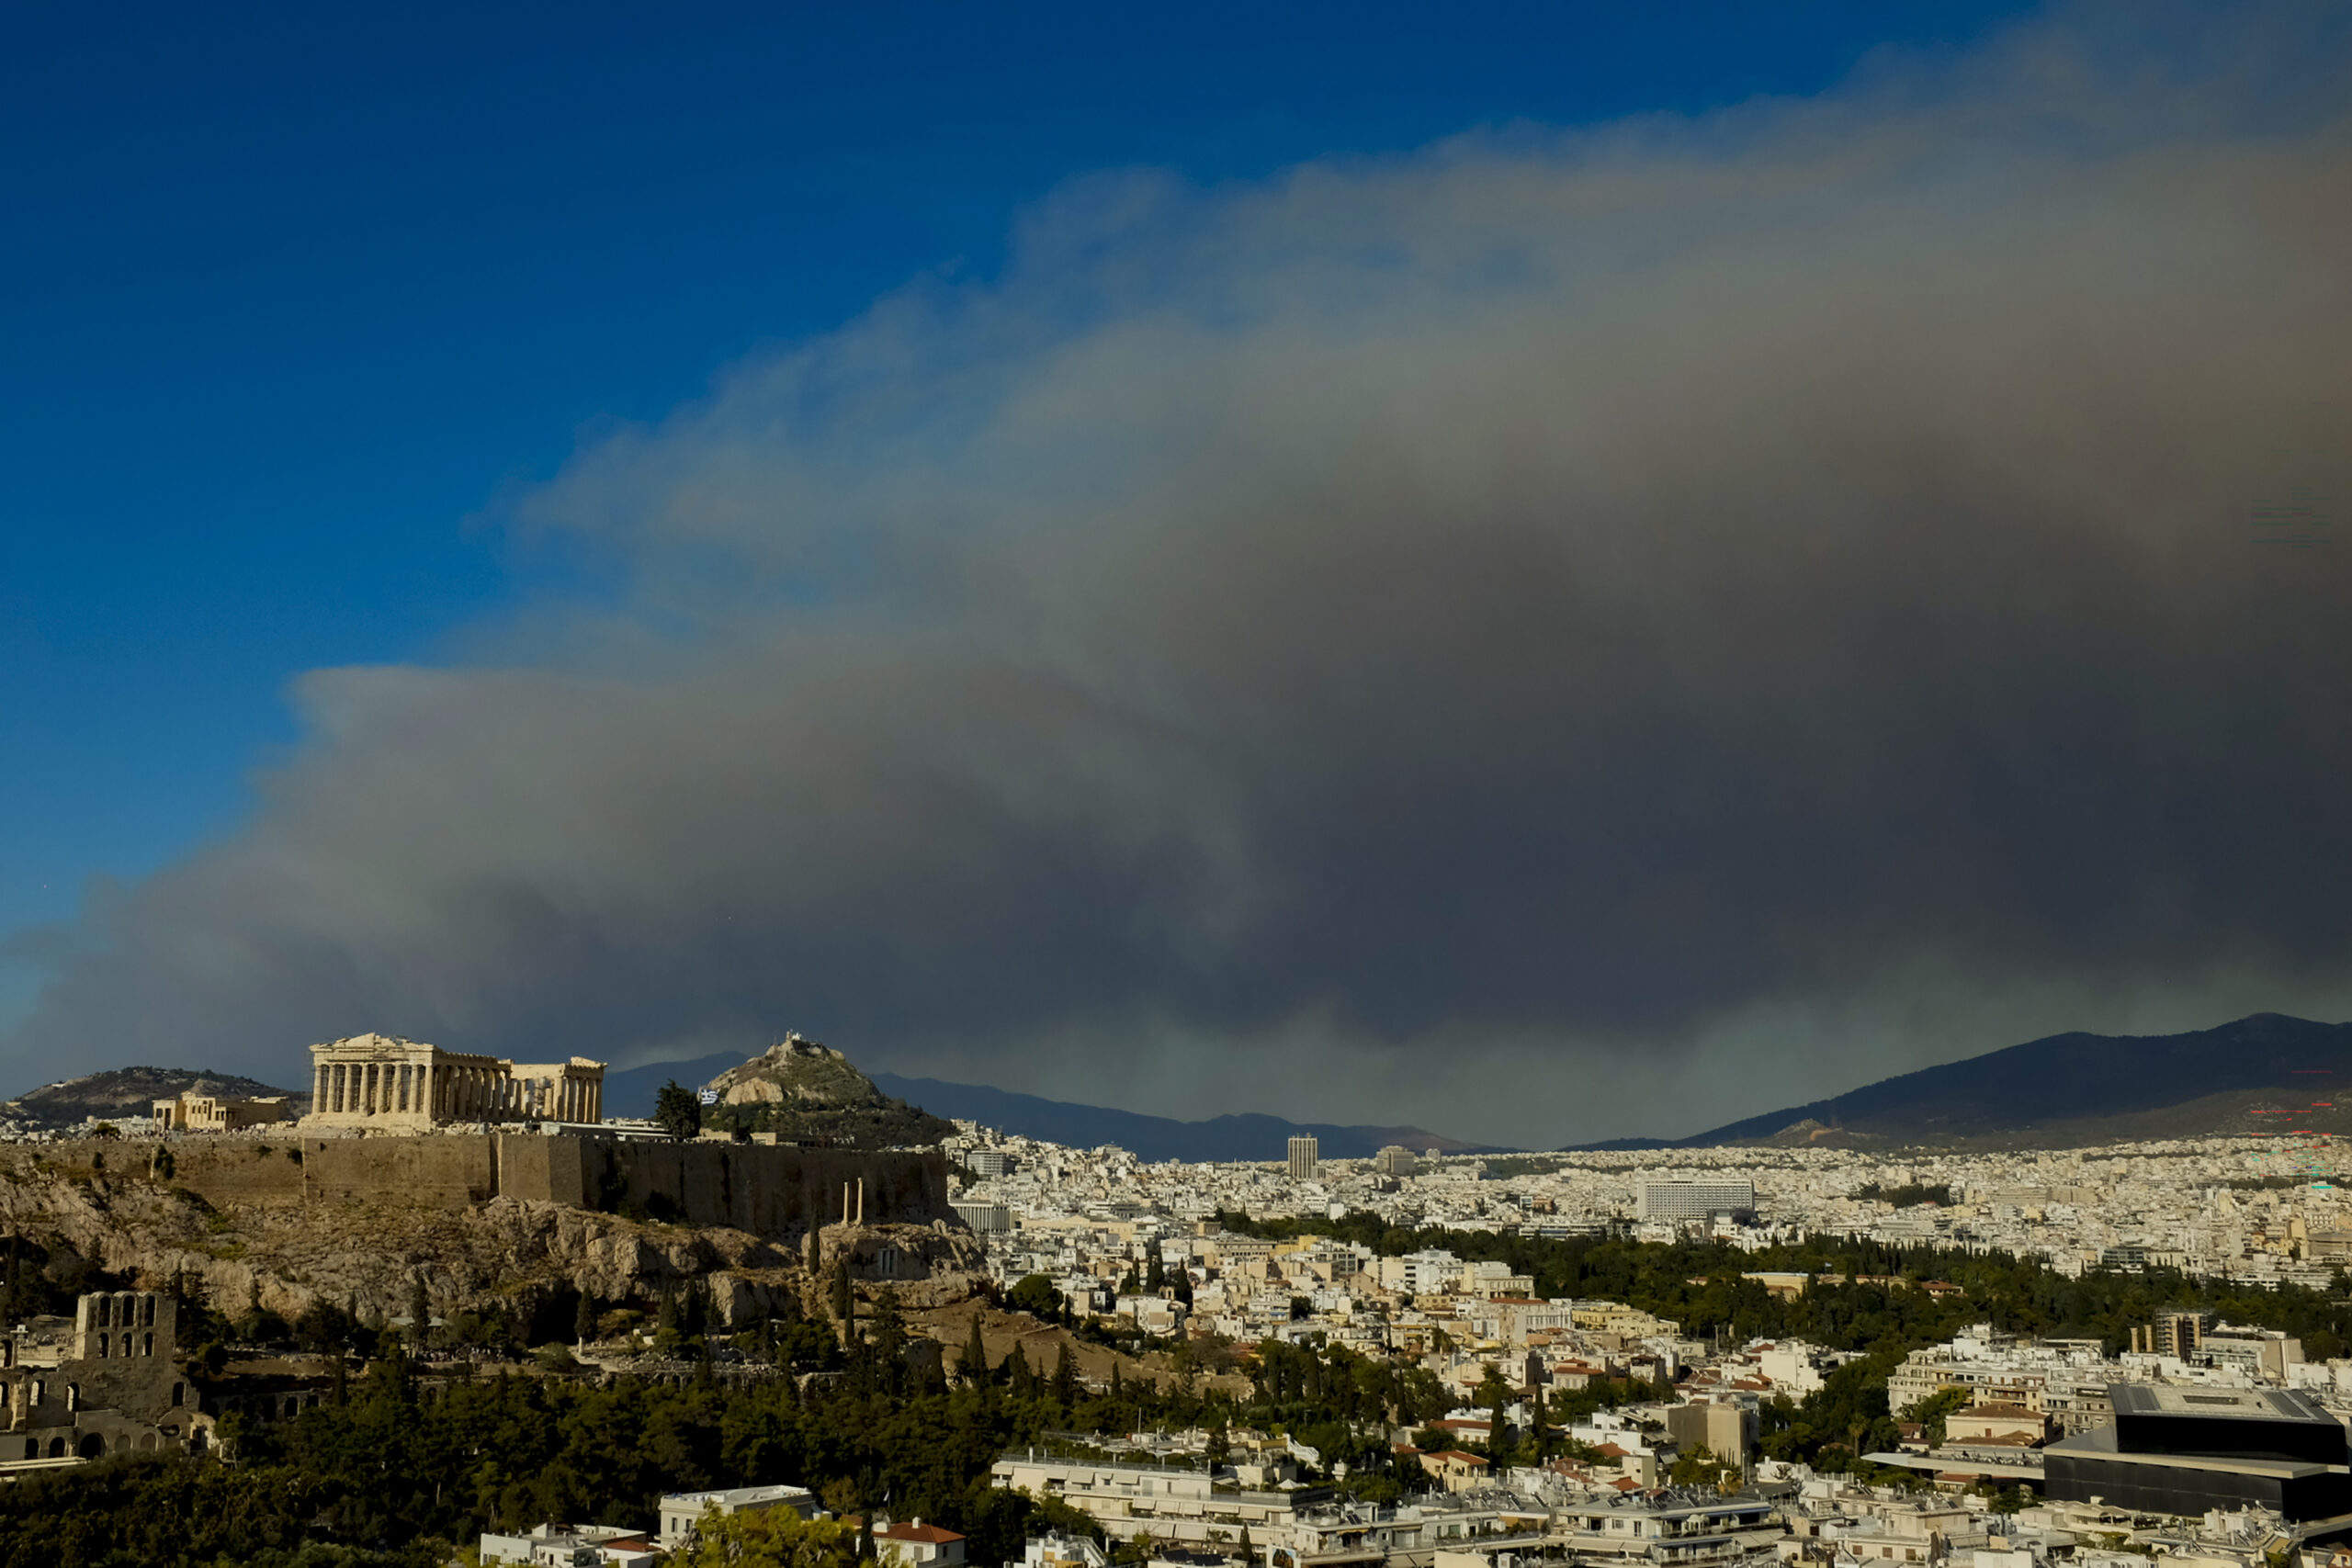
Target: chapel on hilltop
column 380, row 1083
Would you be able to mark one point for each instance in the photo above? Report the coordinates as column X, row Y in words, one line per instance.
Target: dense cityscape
column 2094, row 1354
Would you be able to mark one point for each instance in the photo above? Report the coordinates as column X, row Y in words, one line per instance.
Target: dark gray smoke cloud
column 1558, row 636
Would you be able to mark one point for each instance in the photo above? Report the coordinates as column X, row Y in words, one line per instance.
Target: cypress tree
column 1065, row 1380
column 420, row 1311
column 584, row 1319
column 973, row 1366
column 844, row 1300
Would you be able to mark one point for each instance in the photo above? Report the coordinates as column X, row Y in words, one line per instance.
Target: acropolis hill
column 489, row 1180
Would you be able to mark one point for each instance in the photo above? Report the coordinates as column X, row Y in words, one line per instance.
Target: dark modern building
column 2185, row 1449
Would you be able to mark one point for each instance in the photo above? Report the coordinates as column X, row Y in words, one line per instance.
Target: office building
column 1396, row 1160
column 1306, row 1157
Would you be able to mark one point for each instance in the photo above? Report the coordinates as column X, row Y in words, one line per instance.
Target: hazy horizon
column 1542, row 629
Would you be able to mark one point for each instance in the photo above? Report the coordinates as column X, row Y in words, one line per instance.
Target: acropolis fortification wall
column 763, row 1188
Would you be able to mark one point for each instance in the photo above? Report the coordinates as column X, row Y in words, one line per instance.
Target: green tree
column 1036, row 1295
column 678, row 1111
column 584, row 1319
column 777, row 1538
column 420, row 1311
column 888, row 1331
column 845, row 1298
column 1697, row 1467
column 972, row 1366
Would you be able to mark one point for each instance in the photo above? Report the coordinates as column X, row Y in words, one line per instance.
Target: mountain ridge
column 1249, row 1136
column 2078, row 1088
column 132, row 1092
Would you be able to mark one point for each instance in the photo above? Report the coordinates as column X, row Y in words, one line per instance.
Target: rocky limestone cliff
column 807, row 1092
column 123, row 1213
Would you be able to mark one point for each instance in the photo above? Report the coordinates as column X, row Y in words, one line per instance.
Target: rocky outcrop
column 804, row 1091
column 502, row 1254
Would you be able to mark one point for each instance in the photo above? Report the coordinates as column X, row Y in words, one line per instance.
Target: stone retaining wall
column 765, row 1190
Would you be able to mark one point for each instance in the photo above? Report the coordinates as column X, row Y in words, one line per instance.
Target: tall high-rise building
column 1396, row 1160
column 1305, row 1156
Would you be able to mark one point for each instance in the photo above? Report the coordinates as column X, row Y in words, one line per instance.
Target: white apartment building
column 1168, row 1504
column 1696, row 1200
column 2065, row 1379
column 1426, row 1273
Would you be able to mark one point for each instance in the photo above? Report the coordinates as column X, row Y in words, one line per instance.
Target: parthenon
column 377, row 1081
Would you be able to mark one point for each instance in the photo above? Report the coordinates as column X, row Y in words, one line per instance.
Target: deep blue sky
column 289, row 298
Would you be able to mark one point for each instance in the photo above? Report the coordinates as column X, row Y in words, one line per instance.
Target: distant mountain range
column 630, row 1093
column 1246, row 1137
column 2266, row 1073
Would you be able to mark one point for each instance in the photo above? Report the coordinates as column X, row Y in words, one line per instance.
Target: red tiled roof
column 931, row 1535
